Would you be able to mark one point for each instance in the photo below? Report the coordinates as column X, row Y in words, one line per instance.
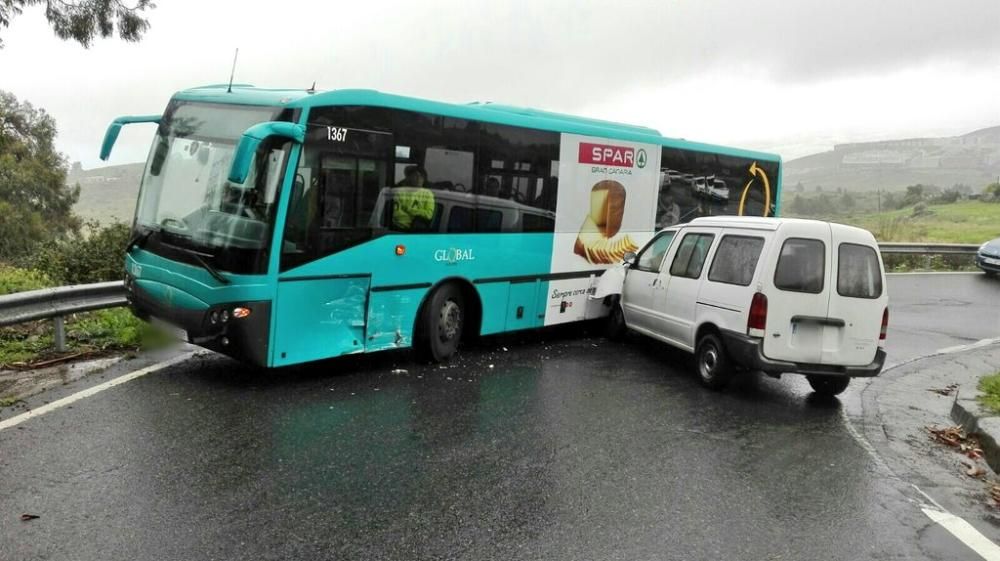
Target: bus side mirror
column 251, row 141
column 111, row 136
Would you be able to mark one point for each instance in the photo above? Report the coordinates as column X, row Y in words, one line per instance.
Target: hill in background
column 972, row 159
column 107, row 193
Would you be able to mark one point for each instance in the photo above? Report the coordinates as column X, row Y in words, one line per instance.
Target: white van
column 775, row 295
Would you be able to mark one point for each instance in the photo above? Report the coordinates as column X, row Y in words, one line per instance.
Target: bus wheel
column 441, row 324
column 615, row 328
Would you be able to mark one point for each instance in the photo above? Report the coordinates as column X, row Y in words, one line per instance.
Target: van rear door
column 857, row 299
column 799, row 292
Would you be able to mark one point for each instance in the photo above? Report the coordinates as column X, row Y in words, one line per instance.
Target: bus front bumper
column 748, row 352
column 245, row 339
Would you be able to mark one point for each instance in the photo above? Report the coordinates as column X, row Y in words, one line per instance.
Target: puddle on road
column 19, row 384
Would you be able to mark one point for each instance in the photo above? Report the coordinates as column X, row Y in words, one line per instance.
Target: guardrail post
column 60, row 335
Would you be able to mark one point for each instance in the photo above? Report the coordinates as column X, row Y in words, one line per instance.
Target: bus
column 286, row 226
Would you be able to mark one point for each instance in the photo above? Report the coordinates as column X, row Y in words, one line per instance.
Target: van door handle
column 835, row 322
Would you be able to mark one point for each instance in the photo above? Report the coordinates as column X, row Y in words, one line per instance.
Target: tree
column 914, row 194
column 847, row 202
column 35, row 203
column 992, row 191
column 83, row 20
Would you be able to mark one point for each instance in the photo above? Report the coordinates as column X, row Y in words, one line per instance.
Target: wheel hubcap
column 449, row 321
column 709, row 359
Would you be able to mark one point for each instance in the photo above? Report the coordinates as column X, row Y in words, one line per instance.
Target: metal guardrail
column 928, row 248
column 57, row 303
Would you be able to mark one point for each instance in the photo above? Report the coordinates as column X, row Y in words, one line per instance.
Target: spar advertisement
column 606, row 208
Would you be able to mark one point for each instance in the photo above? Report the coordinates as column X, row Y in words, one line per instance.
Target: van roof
column 760, row 223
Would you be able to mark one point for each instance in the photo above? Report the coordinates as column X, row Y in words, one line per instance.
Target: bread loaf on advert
column 607, row 206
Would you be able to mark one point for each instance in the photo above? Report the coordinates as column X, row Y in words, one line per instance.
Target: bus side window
column 343, row 167
column 520, row 167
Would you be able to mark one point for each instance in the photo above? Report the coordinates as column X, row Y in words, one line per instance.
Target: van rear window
column 858, row 272
column 801, row 266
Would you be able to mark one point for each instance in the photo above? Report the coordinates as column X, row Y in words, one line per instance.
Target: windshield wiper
column 201, row 261
column 138, row 240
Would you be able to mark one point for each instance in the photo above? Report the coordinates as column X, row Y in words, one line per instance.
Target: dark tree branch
column 83, row 20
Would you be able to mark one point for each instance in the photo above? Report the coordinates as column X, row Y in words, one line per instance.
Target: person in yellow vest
column 412, row 202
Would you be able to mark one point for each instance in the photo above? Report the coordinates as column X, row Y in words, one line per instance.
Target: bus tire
column 615, row 328
column 442, row 321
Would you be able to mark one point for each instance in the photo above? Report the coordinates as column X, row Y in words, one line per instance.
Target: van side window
column 801, row 266
column 858, row 272
column 736, row 260
column 691, row 255
column 650, row 258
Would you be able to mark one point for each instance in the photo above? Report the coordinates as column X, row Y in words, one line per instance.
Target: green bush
column 990, row 388
column 96, row 256
column 13, row 279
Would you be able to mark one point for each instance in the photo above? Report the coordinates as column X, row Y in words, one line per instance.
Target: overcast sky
column 791, row 76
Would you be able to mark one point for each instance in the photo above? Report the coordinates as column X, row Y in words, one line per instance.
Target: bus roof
column 246, row 94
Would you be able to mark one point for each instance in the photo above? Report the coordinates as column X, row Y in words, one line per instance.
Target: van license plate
column 169, row 329
column 989, row 261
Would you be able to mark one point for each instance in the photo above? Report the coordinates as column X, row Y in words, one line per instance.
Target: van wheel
column 441, row 324
column 828, row 385
column 714, row 368
column 615, row 328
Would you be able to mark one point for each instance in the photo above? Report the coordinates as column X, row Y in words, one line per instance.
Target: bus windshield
column 186, row 202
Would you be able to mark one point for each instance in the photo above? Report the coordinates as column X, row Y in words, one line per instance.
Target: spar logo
column 610, row 155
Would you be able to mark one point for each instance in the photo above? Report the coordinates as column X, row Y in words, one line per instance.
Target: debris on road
column 995, row 494
column 27, row 517
column 949, row 436
column 955, row 437
column 974, row 471
column 945, row 391
column 399, row 371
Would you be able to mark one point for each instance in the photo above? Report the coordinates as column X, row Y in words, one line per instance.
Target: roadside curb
column 967, row 412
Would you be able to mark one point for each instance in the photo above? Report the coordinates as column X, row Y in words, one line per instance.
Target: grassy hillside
column 960, row 222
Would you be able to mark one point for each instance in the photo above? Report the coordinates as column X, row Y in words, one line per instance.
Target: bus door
column 323, row 286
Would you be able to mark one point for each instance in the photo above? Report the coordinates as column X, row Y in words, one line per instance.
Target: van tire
column 715, row 370
column 828, row 386
column 442, row 321
column 615, row 328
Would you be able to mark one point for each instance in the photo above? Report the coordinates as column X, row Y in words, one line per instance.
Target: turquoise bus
column 286, row 226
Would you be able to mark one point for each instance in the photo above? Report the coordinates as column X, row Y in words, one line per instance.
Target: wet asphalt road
column 567, row 447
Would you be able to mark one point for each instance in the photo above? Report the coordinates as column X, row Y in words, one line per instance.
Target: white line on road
column 965, row 533
column 969, row 347
column 14, row 421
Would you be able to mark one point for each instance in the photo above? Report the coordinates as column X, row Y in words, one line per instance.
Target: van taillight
column 757, row 321
column 885, row 325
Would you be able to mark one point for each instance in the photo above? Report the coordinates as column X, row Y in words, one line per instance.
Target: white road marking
column 969, row 347
column 14, row 421
column 965, row 533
